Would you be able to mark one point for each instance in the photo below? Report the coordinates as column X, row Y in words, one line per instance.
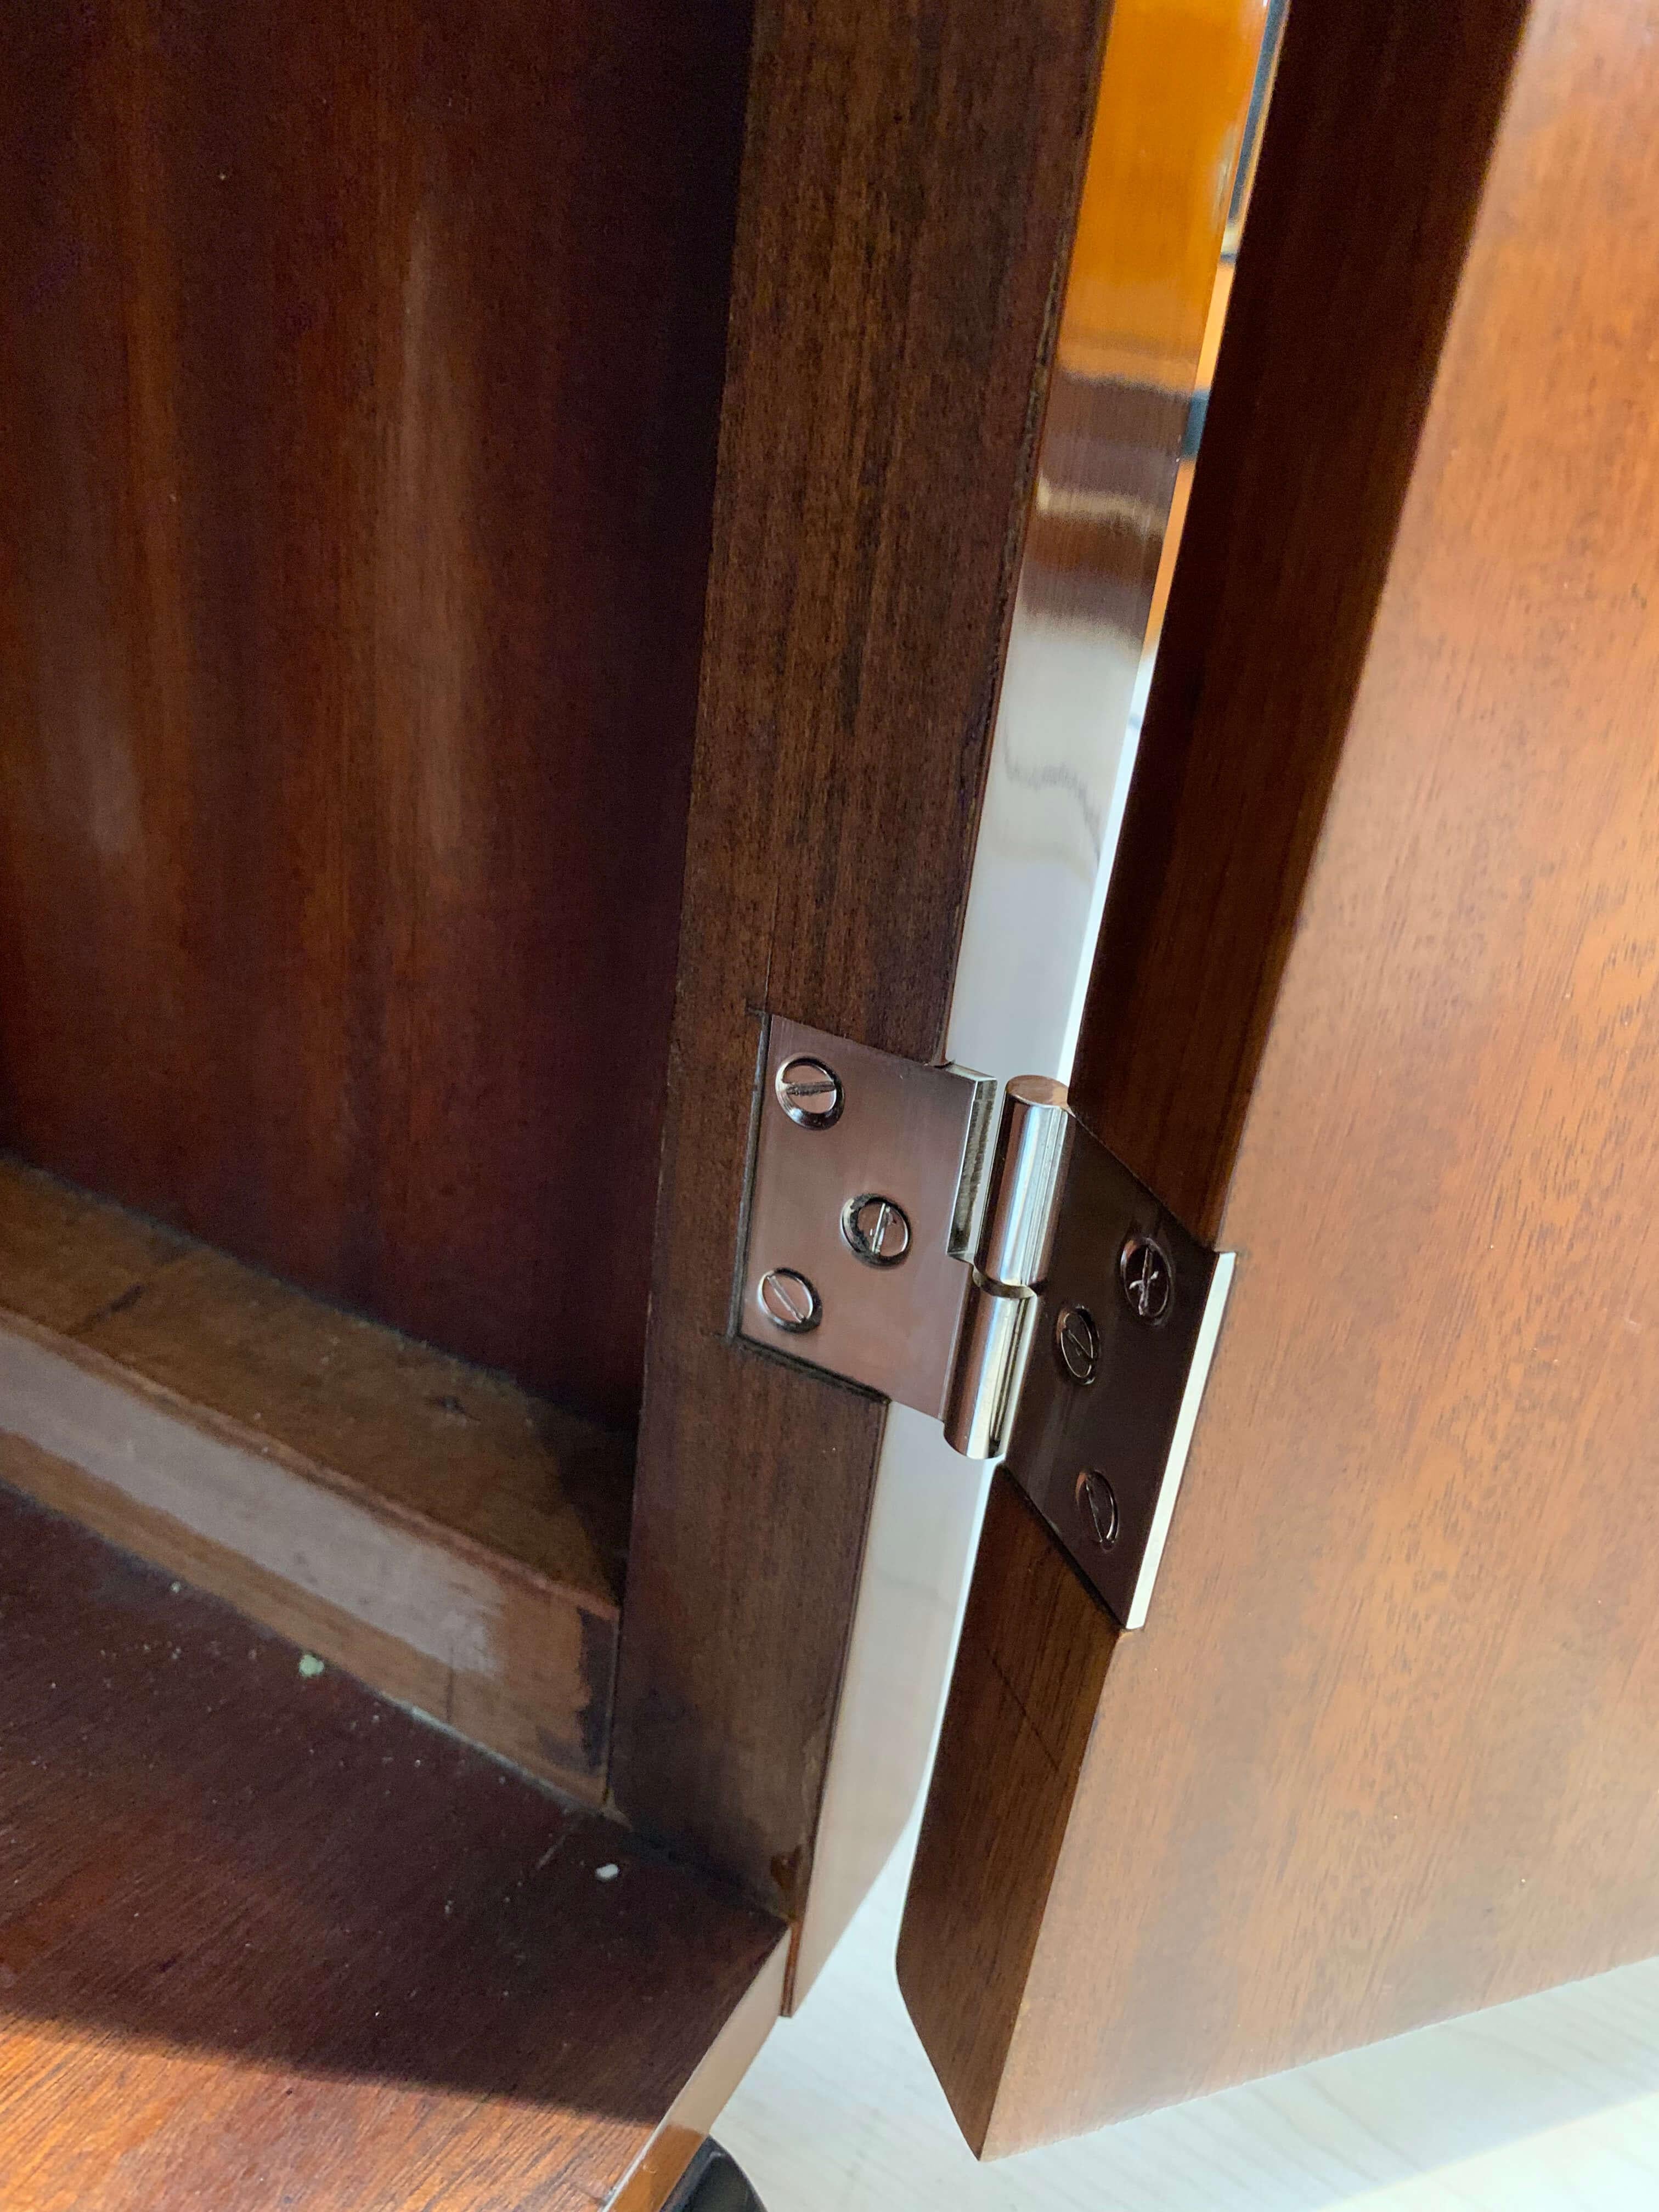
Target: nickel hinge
column 970, row 1249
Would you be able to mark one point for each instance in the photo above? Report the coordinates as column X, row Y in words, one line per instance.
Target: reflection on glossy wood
column 1386, row 1750
column 266, row 1940
column 924, row 1521
column 1175, row 90
column 1141, row 306
column 360, row 370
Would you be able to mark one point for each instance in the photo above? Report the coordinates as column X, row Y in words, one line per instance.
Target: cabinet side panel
column 910, row 175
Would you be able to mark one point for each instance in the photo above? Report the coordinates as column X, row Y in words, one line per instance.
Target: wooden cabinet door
column 1375, row 1008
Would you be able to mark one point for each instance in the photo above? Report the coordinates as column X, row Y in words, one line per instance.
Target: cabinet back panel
column 361, row 372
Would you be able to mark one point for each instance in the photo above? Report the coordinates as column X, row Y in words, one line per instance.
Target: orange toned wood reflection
column 1175, row 94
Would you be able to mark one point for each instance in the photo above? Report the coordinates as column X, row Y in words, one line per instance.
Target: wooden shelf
column 265, row 1939
column 427, row 1525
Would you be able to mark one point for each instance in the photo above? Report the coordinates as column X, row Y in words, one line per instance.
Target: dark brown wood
column 1349, row 262
column 1385, row 1749
column 361, row 370
column 908, row 181
column 1031, row 1665
column 265, row 1939
column 434, row 1528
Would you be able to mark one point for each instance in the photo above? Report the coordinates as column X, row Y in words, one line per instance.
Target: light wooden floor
column 1550, row 2105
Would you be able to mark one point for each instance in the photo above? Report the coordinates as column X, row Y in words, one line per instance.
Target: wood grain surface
column 909, row 177
column 1384, row 113
column 266, row 1939
column 1385, row 1749
column 1551, row 2102
column 430, row 1527
column 361, row 372
column 1031, row 1664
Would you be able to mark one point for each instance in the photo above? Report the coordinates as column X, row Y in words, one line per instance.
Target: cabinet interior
column 362, row 379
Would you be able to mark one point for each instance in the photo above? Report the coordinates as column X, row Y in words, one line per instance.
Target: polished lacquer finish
column 1182, row 85
column 360, row 369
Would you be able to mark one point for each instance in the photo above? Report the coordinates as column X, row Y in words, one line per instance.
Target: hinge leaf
column 1005, row 1274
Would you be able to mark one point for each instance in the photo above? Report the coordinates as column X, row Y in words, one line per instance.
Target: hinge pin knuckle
column 1030, row 1152
column 1008, row 1268
column 990, row 1350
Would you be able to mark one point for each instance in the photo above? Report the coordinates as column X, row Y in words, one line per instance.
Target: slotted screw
column 1098, row 1501
column 789, row 1301
column 878, row 1231
column 1147, row 1275
column 1077, row 1339
column 808, row 1092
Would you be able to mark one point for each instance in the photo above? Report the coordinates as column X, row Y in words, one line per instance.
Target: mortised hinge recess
column 984, row 1258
